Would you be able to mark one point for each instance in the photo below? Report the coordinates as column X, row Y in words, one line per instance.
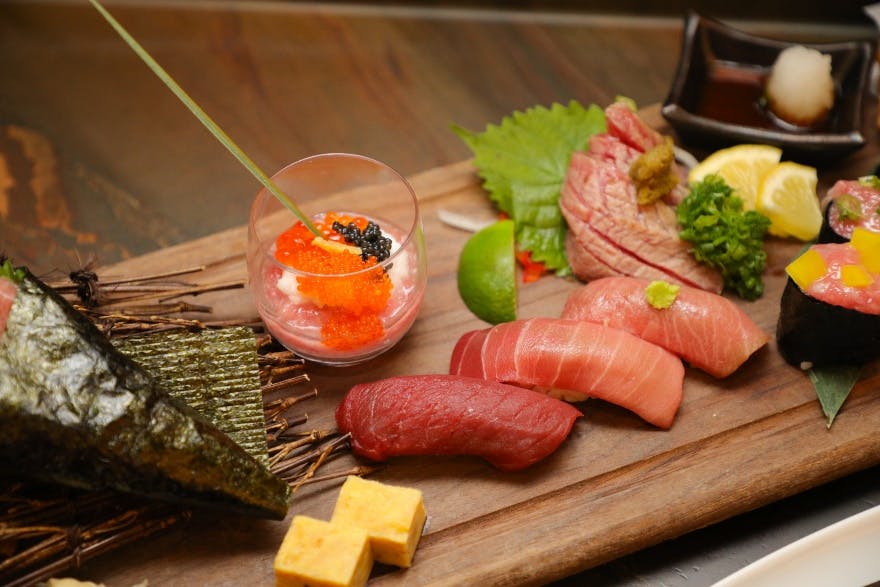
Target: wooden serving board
column 615, row 486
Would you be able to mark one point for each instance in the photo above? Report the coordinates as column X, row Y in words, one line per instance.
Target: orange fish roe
column 351, row 304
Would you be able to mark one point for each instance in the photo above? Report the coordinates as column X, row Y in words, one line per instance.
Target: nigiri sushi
column 576, row 360
column 830, row 308
column 705, row 329
column 509, row 426
column 74, row 410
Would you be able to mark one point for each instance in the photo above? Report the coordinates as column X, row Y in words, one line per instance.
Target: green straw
column 206, row 120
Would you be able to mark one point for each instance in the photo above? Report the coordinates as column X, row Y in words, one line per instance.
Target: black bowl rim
column 686, row 121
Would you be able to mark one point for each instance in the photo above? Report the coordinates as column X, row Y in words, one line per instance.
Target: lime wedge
column 487, row 273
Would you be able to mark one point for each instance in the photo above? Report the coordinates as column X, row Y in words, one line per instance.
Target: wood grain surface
column 97, row 160
column 615, row 486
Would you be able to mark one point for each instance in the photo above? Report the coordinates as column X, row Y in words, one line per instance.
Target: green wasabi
column 660, row 294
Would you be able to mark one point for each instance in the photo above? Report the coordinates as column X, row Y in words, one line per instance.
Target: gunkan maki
column 830, row 308
column 851, row 204
column 74, row 410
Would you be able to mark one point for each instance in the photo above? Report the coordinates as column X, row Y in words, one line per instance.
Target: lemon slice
column 787, row 196
column 742, row 167
column 487, row 273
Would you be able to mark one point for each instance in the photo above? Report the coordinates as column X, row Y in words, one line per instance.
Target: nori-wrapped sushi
column 814, row 333
column 75, row 410
column 850, row 204
column 829, row 311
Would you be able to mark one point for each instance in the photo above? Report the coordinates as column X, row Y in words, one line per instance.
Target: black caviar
column 371, row 241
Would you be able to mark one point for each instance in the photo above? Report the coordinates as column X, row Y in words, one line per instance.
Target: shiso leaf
column 522, row 162
column 215, row 372
column 833, row 384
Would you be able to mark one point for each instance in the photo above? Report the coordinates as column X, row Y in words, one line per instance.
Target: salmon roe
column 350, row 305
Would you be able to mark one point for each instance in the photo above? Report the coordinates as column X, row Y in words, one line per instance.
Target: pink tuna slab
column 576, row 360
column 707, row 330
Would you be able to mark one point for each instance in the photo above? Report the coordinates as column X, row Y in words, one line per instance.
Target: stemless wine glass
column 310, row 326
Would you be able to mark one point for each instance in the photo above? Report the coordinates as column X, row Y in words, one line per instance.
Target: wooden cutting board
column 615, row 486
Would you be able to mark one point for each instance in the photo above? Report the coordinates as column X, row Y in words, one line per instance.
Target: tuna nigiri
column 509, row 426
column 576, row 360
column 705, row 329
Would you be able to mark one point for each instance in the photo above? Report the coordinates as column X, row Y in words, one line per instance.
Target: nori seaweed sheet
column 827, row 234
column 213, row 371
column 815, row 332
column 75, row 410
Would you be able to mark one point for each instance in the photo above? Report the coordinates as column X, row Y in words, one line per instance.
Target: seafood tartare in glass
column 347, row 287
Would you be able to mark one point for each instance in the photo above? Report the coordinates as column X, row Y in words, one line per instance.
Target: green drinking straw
column 206, row 120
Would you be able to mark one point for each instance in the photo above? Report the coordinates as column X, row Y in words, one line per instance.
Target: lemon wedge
column 742, row 167
column 787, row 196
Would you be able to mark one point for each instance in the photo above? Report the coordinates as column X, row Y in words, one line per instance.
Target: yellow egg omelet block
column 392, row 516
column 322, row 554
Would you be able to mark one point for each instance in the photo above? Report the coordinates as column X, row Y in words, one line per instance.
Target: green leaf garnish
column 833, row 384
column 724, row 236
column 9, row 271
column 206, row 120
column 523, row 162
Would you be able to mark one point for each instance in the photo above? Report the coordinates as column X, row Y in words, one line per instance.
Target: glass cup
column 336, row 326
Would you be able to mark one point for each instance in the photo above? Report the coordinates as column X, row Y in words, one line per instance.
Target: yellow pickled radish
column 867, row 243
column 855, row 276
column 787, row 196
column 806, row 269
column 742, row 167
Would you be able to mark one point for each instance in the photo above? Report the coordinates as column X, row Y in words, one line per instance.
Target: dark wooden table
column 99, row 161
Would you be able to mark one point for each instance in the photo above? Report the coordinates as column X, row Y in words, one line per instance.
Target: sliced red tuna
column 599, row 204
column 626, row 125
column 509, row 426
column 8, row 290
column 707, row 330
column 576, row 360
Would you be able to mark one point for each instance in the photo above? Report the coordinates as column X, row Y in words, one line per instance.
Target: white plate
column 843, row 554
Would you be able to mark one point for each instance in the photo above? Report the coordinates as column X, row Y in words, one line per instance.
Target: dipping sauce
column 735, row 94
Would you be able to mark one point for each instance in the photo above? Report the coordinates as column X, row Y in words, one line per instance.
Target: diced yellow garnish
column 855, row 276
column 393, row 517
column 867, row 243
column 806, row 269
column 322, row 554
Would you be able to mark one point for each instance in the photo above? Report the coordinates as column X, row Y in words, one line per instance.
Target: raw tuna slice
column 599, row 203
column 627, row 126
column 707, row 330
column 576, row 360
column 7, row 296
column 509, row 426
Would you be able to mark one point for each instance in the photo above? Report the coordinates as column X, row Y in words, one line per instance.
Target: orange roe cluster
column 350, row 305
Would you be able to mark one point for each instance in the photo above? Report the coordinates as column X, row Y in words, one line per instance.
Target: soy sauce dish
column 717, row 95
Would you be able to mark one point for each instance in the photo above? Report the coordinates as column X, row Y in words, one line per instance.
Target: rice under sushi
column 800, row 89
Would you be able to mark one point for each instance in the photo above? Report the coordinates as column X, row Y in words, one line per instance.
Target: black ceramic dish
column 716, row 96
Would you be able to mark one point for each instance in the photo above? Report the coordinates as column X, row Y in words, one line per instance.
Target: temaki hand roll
column 76, row 411
column 830, row 308
column 850, row 204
